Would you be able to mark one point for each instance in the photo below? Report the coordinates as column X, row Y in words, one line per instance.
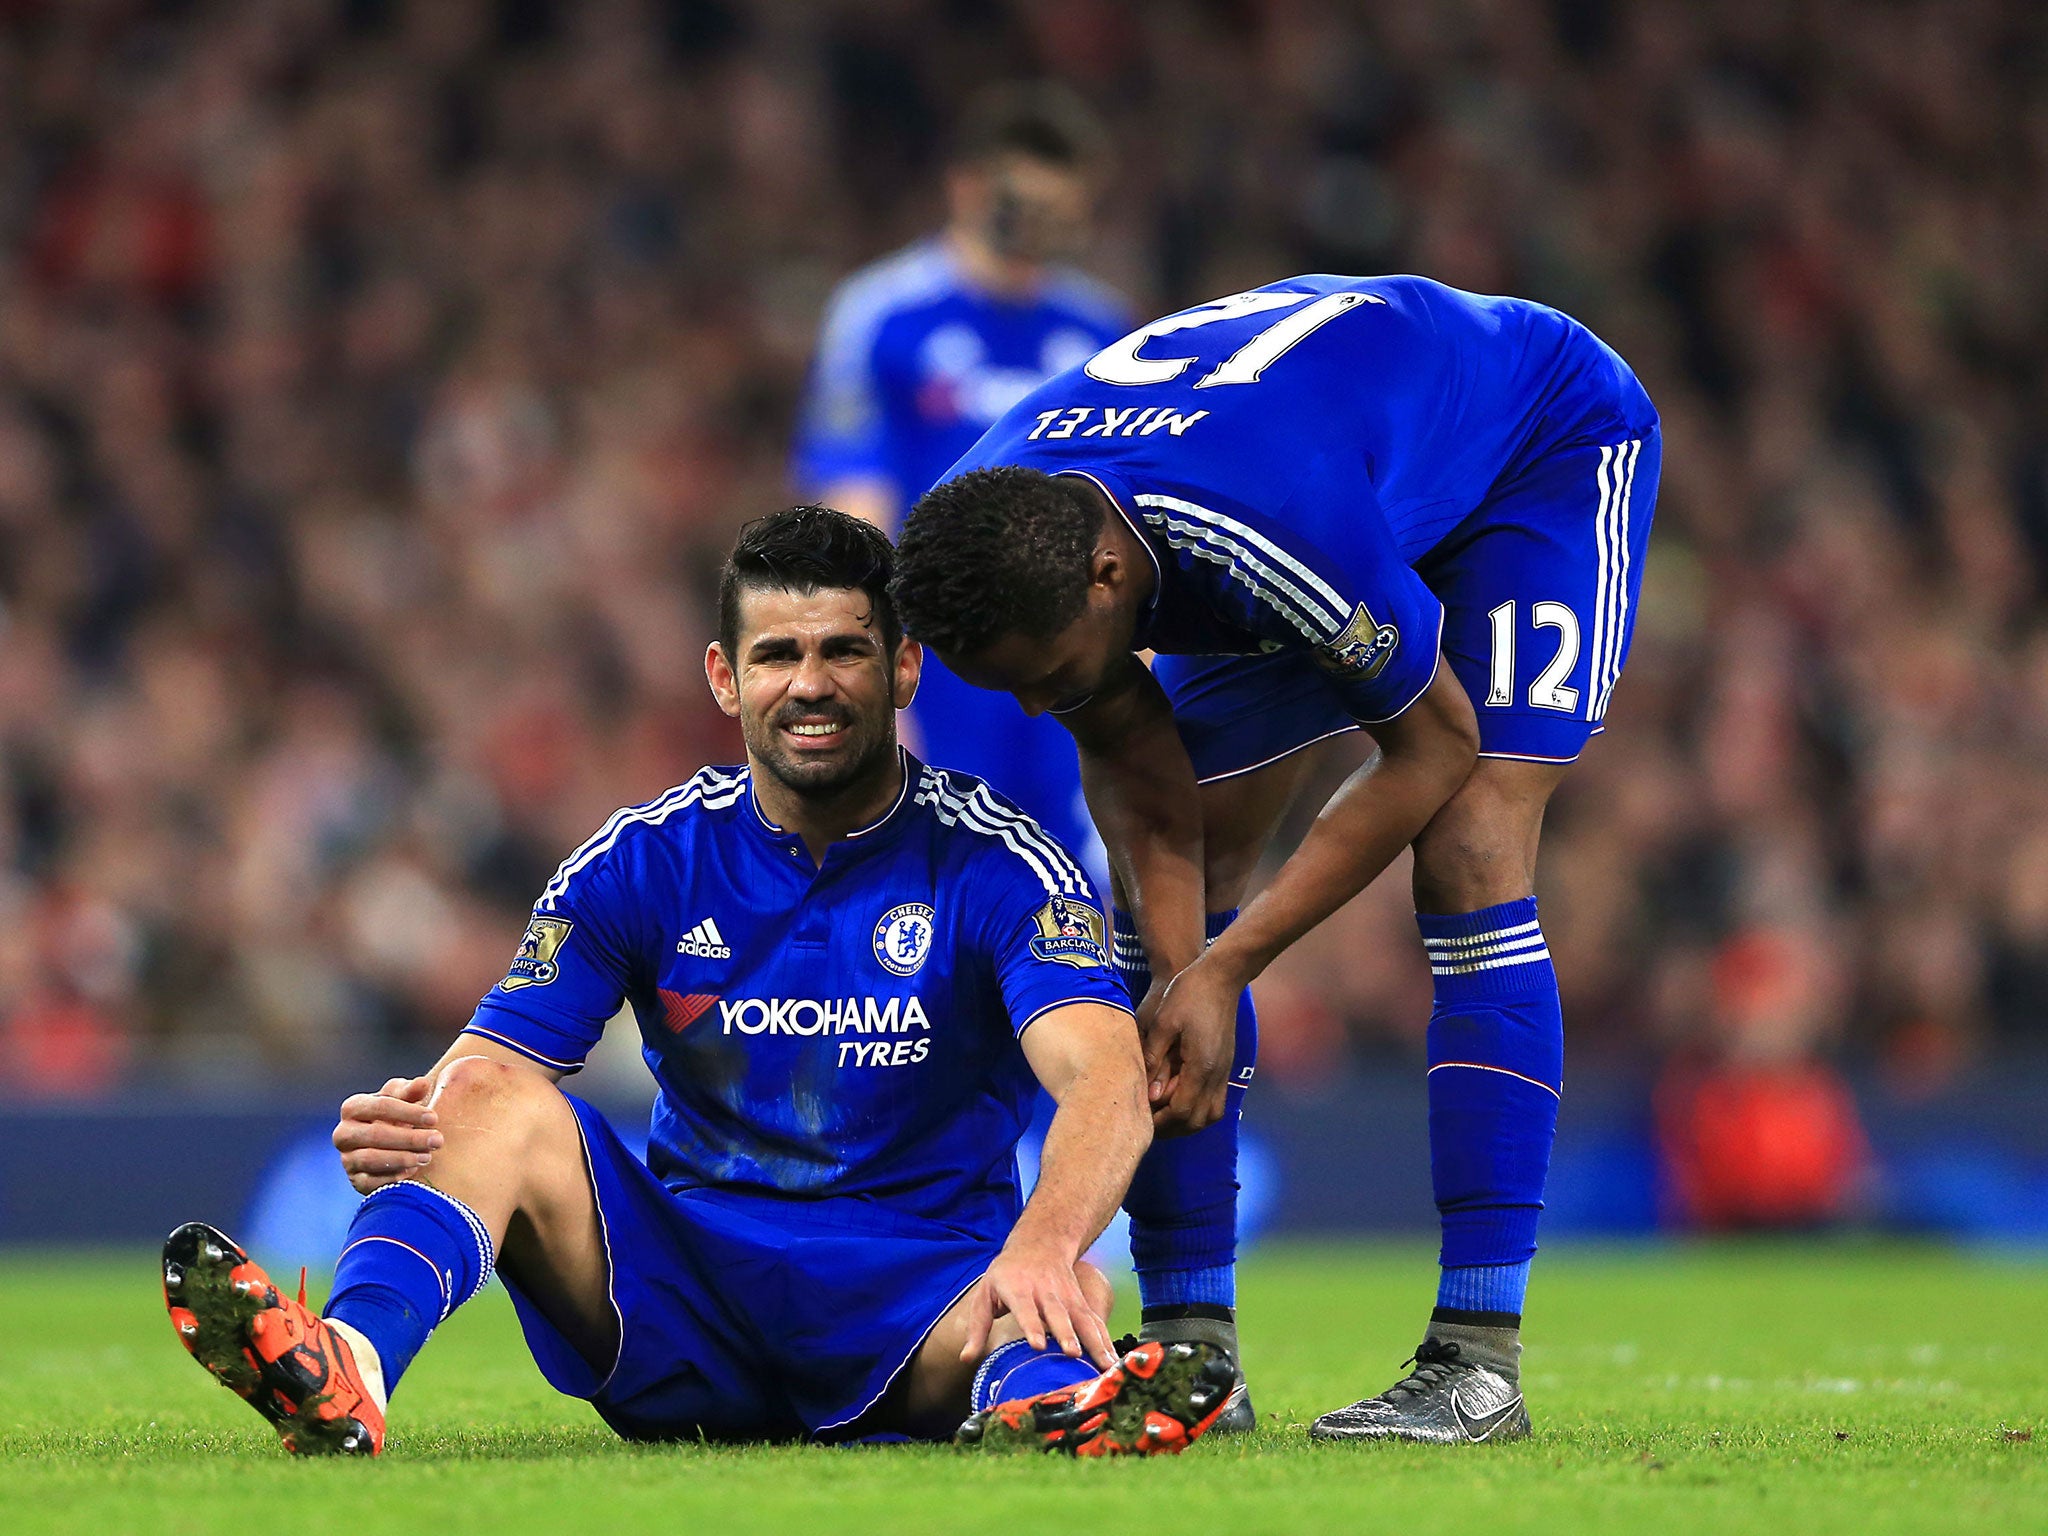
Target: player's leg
column 1246, row 722
column 1496, row 1043
column 1539, row 603
column 1156, row 1400
column 940, row 1389
column 509, row 1185
column 509, row 1180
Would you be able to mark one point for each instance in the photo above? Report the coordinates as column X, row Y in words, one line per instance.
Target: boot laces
column 1436, row 1361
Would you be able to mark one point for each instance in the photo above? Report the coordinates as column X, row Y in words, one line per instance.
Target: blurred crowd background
column 380, row 383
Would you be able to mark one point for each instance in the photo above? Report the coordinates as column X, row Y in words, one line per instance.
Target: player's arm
column 1426, row 754
column 1086, row 1056
column 1330, row 582
column 1143, row 797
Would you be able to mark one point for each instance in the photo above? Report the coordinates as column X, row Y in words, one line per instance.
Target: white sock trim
column 486, row 1249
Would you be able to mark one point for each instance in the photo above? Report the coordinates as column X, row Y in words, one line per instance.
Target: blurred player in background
column 1306, row 498
column 923, row 351
column 851, row 974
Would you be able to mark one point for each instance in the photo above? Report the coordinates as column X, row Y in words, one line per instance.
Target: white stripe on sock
column 1488, row 965
column 1492, row 935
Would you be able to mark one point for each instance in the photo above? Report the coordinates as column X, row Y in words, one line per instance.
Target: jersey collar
column 911, row 769
column 1113, row 488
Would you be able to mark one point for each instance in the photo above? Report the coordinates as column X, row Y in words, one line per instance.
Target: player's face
column 814, row 687
column 1026, row 209
column 1056, row 674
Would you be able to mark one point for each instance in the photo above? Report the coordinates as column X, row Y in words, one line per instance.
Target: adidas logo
column 705, row 942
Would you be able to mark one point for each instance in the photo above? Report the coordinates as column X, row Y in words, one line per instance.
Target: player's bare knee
column 1096, row 1287
column 1239, row 818
column 1226, row 875
column 476, row 1097
column 1231, row 850
column 1481, row 848
column 1462, row 873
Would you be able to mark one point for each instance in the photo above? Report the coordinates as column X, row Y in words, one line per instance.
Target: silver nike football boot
column 1464, row 1390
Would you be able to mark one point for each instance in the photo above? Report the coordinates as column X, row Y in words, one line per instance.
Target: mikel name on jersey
column 1107, row 421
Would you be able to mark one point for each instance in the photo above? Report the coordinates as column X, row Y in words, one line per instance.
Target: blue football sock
column 1495, row 1288
column 1183, row 1200
column 1015, row 1370
column 1496, row 1071
column 413, row 1256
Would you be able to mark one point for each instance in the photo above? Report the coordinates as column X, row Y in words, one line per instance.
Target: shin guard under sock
column 1183, row 1200
column 413, row 1256
column 1496, row 1071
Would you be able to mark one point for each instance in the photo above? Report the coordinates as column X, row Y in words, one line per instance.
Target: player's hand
column 388, row 1135
column 1158, row 1069
column 1040, row 1290
column 1190, row 1047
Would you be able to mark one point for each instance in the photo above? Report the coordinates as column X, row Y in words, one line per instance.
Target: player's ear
column 908, row 670
column 725, row 683
column 1106, row 567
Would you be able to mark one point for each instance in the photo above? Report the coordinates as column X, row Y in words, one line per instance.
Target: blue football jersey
column 915, row 363
column 1288, row 454
column 849, row 1029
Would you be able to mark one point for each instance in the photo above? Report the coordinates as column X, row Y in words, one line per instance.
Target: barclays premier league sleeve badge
column 534, row 965
column 903, row 938
column 1362, row 650
column 1069, row 932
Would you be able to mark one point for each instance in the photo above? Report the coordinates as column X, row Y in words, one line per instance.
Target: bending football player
column 1328, row 504
column 851, row 972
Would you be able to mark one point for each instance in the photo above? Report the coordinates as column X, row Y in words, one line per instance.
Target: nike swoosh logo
column 1481, row 1426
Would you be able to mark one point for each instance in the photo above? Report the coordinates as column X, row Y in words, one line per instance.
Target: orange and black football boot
column 1156, row 1401
column 267, row 1348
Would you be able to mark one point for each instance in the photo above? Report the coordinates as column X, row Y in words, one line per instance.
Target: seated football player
column 851, row 972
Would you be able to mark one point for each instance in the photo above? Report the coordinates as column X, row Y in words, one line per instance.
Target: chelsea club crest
column 903, row 938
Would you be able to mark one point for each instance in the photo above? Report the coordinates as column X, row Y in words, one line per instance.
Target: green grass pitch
column 1782, row 1388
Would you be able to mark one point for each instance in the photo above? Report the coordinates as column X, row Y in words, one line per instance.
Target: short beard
column 818, row 781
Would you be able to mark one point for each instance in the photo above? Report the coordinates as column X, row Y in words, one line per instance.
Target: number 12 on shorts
column 1549, row 690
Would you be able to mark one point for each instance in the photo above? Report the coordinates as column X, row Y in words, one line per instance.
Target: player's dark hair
column 807, row 549
column 995, row 552
column 1042, row 120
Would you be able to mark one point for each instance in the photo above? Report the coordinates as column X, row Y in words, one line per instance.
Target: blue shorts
column 1539, row 588
column 741, row 1318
